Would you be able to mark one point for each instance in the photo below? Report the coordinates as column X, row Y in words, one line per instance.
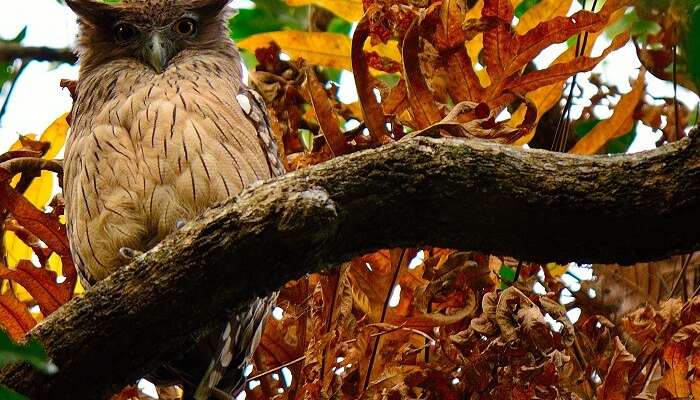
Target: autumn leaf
column 41, row 284
column 542, row 11
column 351, row 10
column 674, row 383
column 14, row 316
column 621, row 122
column 324, row 114
column 616, row 381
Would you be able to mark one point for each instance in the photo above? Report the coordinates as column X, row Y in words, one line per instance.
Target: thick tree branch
column 13, row 51
column 534, row 205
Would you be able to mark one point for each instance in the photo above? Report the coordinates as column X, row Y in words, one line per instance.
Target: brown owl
column 162, row 128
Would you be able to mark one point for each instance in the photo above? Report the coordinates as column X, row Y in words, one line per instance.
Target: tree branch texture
column 13, row 51
column 531, row 204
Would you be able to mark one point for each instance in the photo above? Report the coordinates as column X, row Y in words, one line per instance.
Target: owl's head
column 151, row 31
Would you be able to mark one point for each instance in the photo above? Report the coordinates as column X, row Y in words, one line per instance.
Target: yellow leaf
column 617, row 125
column 40, row 191
column 557, row 270
column 321, row 48
column 542, row 11
column 350, row 10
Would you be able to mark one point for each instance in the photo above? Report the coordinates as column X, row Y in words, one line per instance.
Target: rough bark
column 531, row 204
column 13, row 51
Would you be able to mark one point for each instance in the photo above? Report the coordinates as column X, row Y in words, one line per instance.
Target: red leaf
column 14, row 316
column 41, row 284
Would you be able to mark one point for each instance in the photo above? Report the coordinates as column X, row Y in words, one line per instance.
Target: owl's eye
column 125, row 32
column 186, row 27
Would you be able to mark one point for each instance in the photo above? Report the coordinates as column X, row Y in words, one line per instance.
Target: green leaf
column 692, row 46
column 617, row 145
column 31, row 352
column 507, row 274
column 9, row 394
column 522, row 8
column 581, row 128
column 267, row 16
column 620, row 144
column 307, row 139
column 339, row 25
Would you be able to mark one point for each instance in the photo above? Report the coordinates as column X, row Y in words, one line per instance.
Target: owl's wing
column 254, row 106
column 243, row 332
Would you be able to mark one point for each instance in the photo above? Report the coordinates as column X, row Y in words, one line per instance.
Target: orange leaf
column 423, row 106
column 40, row 283
column 618, row 124
column 48, row 229
column 324, row 114
column 675, row 375
column 371, row 109
column 14, row 316
column 616, row 381
column 555, row 30
column 559, row 72
column 498, row 42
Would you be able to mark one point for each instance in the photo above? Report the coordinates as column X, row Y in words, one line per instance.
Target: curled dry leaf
column 616, row 385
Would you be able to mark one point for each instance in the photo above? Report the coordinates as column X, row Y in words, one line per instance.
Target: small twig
column 517, row 272
column 675, row 90
column 680, row 275
column 385, row 308
column 268, row 372
column 14, row 51
column 430, row 339
column 31, row 164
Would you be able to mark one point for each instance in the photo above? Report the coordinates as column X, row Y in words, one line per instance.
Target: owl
column 162, row 128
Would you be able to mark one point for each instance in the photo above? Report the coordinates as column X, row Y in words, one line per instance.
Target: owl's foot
column 180, row 224
column 129, row 253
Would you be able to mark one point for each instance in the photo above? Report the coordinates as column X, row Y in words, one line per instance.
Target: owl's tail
column 237, row 343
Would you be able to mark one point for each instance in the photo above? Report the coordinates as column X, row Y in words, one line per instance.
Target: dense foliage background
column 341, row 76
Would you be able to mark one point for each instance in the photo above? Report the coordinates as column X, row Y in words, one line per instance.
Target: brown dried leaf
column 327, row 119
column 371, row 109
column 424, row 108
column 674, row 384
column 616, row 383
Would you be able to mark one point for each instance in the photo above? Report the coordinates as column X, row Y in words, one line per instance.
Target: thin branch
column 385, row 308
column 13, row 51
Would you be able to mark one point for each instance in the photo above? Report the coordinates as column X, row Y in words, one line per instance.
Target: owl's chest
column 169, row 141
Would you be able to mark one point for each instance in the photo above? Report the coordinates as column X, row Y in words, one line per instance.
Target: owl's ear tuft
column 209, row 7
column 93, row 12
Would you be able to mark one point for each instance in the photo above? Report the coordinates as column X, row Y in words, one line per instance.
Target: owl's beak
column 157, row 53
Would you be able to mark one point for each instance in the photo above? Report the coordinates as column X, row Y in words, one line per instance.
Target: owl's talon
column 180, row 224
column 129, row 253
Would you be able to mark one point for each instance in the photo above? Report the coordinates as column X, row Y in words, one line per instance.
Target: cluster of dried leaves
column 425, row 323
column 35, row 243
column 459, row 328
